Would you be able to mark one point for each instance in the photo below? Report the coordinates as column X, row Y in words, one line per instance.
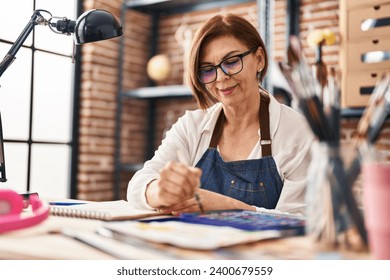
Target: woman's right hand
column 177, row 182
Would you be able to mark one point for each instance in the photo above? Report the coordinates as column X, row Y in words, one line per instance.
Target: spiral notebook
column 116, row 210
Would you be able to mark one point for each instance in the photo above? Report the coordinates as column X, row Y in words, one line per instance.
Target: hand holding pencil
column 196, row 194
column 178, row 183
column 177, row 190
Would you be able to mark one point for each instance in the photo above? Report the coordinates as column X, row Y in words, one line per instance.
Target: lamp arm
column 103, row 24
column 36, row 19
column 3, row 177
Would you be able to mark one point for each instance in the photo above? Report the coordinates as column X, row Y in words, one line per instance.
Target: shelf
column 179, row 6
column 159, row 92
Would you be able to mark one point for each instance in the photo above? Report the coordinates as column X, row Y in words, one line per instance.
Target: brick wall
column 99, row 85
column 97, row 112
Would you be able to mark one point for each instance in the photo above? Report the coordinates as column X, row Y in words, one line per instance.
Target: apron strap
column 217, row 131
column 265, row 140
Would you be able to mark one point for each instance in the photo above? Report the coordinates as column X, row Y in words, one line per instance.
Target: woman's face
column 231, row 89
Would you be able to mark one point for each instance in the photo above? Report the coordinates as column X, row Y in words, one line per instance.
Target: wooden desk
column 44, row 242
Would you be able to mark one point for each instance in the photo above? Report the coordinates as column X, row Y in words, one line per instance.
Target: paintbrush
column 376, row 112
column 370, row 125
column 307, row 87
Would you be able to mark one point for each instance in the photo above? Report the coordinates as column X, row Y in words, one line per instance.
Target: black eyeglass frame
column 241, row 55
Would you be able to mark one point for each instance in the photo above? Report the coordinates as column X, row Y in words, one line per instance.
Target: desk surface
column 45, row 242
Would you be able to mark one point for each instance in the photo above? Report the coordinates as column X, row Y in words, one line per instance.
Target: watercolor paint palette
column 248, row 220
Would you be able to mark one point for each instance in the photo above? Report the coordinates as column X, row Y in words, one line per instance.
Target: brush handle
column 343, row 184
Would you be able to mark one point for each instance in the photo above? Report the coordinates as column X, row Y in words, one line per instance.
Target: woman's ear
column 260, row 58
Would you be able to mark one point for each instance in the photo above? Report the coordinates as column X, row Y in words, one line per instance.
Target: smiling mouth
column 227, row 90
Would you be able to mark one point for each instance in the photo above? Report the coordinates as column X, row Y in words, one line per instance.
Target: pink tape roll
column 11, row 206
column 10, row 202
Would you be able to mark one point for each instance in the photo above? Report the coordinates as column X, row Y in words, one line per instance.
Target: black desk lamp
column 91, row 26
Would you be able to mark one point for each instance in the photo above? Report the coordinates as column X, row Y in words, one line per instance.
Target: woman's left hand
column 210, row 201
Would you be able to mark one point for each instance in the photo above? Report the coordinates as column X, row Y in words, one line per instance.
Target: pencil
column 197, row 198
column 180, row 158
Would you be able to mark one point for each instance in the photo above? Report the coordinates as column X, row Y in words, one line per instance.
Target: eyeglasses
column 230, row 66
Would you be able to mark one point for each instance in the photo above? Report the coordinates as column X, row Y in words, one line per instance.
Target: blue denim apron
column 256, row 181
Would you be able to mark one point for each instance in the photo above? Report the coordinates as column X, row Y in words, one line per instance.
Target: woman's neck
column 242, row 116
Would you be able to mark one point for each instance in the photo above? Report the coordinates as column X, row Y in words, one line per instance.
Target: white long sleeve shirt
column 191, row 134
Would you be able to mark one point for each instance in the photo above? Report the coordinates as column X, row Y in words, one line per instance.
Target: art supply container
column 376, row 201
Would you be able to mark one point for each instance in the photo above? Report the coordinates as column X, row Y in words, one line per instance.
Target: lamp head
column 96, row 25
column 91, row 26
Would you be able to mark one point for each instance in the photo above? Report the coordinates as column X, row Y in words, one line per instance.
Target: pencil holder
column 333, row 218
column 326, row 212
column 331, row 206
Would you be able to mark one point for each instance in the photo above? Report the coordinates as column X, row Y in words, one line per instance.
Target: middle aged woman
column 243, row 148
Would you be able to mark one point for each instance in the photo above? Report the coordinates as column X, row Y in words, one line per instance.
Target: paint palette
column 249, row 220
